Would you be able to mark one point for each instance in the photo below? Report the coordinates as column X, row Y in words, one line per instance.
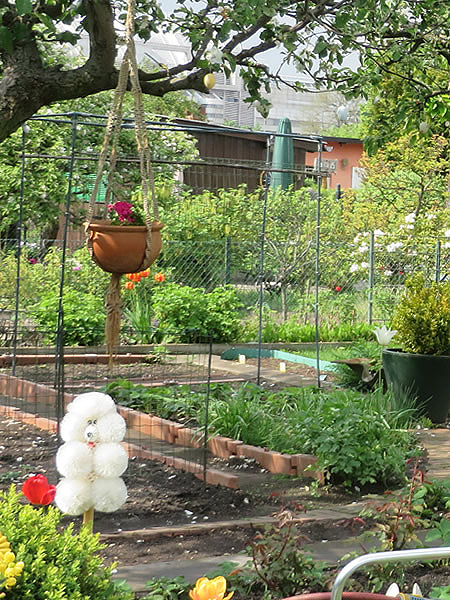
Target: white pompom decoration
column 92, row 459
column 108, row 494
column 73, row 496
column 74, row 460
column 110, row 460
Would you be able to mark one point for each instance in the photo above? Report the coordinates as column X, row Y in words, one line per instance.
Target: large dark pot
column 121, row 248
column 424, row 377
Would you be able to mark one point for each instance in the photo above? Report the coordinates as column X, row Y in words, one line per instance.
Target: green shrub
column 59, row 564
column 38, row 279
column 422, row 318
column 188, row 314
column 84, row 317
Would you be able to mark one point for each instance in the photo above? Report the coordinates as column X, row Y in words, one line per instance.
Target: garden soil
column 159, row 496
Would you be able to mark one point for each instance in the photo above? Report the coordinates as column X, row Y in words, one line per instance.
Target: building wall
column 347, row 154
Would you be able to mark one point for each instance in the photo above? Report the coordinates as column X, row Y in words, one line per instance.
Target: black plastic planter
column 423, row 377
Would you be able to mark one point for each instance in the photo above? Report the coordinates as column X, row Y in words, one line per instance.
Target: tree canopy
column 404, row 37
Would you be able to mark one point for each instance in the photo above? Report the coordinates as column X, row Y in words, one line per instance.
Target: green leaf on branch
column 6, row 39
column 24, row 7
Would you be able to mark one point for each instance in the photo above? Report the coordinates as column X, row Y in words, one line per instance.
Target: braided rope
column 112, row 124
column 147, row 176
column 128, row 68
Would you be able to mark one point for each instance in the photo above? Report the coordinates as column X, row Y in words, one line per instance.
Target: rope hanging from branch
column 128, row 72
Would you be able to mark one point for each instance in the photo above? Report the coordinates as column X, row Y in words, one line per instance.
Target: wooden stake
column 88, row 518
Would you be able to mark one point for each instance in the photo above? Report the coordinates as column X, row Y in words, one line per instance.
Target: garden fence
column 309, row 281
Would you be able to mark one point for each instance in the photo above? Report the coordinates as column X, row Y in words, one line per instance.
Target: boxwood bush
column 59, row 563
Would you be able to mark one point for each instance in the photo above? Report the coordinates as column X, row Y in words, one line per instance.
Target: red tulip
column 159, row 277
column 338, row 288
column 38, row 490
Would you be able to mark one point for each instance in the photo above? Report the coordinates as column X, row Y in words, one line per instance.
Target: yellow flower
column 210, row 589
column 10, row 582
column 9, row 557
column 9, row 569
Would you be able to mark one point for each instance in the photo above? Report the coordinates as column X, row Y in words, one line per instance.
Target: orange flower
column 128, row 285
column 159, row 277
column 133, row 276
column 210, row 589
column 145, row 273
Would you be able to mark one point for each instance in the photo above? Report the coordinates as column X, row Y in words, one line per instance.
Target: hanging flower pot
column 123, row 248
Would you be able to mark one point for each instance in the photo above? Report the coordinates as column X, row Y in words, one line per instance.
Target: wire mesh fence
column 265, row 250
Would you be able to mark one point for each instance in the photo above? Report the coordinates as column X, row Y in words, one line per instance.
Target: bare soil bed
column 84, row 377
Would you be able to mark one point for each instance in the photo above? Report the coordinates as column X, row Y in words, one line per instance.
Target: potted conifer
column 420, row 369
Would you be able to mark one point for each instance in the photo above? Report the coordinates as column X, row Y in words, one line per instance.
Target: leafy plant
column 400, row 517
column 359, row 439
column 443, row 592
column 422, row 318
column 435, row 496
column 58, row 562
column 188, row 314
column 441, row 531
column 167, row 588
column 293, row 330
column 397, row 522
column 84, row 317
column 174, row 402
column 139, row 314
column 279, row 566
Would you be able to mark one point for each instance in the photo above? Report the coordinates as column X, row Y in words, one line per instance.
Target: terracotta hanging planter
column 121, row 248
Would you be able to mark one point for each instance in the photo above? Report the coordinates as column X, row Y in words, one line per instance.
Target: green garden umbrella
column 283, row 156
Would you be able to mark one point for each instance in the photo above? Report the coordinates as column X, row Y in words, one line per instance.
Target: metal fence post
column 371, row 277
column 227, row 260
column 437, row 270
column 261, row 260
column 59, row 358
column 25, row 131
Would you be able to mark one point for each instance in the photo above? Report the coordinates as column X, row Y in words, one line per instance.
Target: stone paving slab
column 249, row 372
column 437, row 443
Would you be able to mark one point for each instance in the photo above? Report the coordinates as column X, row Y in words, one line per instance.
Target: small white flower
column 384, row 335
column 388, row 272
column 410, row 218
column 354, row 267
column 214, row 56
column 447, row 233
column 364, row 265
column 378, row 232
column 363, row 248
column 423, row 127
column 446, row 245
column 394, row 246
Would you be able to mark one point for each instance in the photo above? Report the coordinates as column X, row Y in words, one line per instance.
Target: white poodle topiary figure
column 92, row 459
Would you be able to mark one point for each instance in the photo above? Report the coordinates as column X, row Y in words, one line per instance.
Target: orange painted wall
column 347, row 154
